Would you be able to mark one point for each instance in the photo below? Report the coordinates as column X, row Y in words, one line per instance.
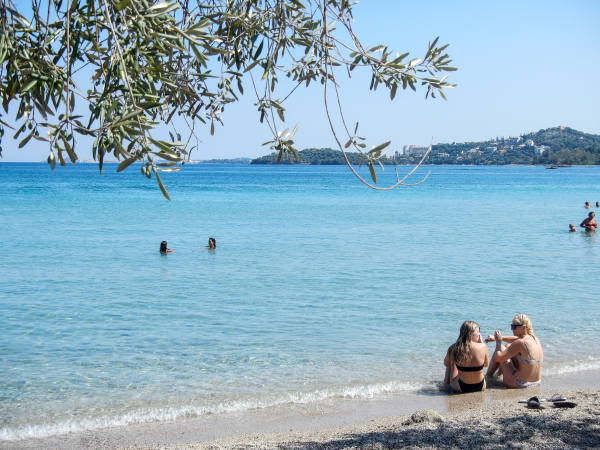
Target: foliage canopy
column 136, row 65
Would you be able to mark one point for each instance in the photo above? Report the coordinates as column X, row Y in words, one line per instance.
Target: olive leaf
column 147, row 65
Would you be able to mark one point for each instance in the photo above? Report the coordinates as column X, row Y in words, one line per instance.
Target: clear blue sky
column 522, row 66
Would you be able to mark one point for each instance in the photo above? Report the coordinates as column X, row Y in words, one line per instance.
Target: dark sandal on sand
column 534, row 402
column 565, row 405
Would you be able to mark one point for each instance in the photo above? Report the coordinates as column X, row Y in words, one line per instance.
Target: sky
column 522, row 66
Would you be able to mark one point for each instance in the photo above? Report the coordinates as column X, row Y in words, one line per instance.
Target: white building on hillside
column 414, row 150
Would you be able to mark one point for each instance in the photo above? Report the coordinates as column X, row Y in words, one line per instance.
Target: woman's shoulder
column 518, row 342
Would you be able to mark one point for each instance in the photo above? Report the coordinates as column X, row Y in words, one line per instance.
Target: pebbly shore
column 496, row 425
column 429, row 419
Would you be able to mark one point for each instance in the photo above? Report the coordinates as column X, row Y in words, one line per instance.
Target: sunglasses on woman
column 514, row 326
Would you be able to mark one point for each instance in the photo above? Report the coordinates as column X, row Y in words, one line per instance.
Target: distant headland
column 552, row 146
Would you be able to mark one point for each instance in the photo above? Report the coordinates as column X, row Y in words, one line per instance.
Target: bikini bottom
column 475, row 387
column 526, row 384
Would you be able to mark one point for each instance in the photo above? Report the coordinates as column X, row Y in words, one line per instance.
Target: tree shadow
column 527, row 431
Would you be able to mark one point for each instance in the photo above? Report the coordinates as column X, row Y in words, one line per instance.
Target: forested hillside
column 559, row 145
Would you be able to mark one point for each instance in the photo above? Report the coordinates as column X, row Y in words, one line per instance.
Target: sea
column 320, row 287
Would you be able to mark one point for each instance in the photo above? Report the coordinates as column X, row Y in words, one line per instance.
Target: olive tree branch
column 327, row 66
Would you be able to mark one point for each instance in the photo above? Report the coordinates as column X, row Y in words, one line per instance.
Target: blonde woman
column 520, row 361
column 466, row 359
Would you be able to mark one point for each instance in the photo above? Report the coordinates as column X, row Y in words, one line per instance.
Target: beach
column 325, row 305
column 492, row 419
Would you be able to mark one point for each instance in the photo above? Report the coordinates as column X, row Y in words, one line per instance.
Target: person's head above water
column 212, row 243
column 597, row 204
column 163, row 247
column 522, row 324
column 572, row 227
column 591, row 215
column 461, row 350
column 587, row 204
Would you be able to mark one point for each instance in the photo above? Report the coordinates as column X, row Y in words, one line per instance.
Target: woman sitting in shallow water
column 520, row 361
column 466, row 359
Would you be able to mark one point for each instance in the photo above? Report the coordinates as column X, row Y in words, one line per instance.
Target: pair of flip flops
column 536, row 403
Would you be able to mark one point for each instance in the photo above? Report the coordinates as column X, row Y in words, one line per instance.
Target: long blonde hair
column 461, row 350
column 524, row 320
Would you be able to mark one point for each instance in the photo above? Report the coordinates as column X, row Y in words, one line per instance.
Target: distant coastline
column 200, row 161
column 552, row 146
column 548, row 147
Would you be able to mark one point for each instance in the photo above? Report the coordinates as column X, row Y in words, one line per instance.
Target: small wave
column 145, row 415
column 582, row 366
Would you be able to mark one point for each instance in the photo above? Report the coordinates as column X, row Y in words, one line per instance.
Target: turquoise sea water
column 320, row 287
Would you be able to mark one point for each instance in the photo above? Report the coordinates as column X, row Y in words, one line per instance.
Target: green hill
column 558, row 145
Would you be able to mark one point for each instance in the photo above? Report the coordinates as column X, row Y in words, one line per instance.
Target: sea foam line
column 145, row 415
column 592, row 364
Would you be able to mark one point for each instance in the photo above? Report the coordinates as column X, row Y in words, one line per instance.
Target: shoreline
column 351, row 422
column 317, row 165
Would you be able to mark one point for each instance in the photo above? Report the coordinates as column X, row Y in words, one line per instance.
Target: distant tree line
column 224, row 161
column 566, row 146
column 322, row 156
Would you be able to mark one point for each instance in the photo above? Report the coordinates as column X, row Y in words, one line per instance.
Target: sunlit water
column 320, row 287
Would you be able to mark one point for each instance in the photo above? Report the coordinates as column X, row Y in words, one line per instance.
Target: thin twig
column 326, row 49
column 125, row 74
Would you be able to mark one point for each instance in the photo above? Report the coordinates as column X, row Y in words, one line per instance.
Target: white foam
column 144, row 415
column 579, row 366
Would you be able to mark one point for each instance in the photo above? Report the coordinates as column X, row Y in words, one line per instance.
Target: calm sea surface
column 319, row 287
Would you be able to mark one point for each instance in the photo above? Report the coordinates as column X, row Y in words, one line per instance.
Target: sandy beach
column 492, row 419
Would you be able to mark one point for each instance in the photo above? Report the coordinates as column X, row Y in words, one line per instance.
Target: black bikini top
column 470, row 369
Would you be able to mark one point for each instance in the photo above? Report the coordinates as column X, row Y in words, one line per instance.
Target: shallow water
column 320, row 287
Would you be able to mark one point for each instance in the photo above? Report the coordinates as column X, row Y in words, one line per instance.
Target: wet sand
column 492, row 419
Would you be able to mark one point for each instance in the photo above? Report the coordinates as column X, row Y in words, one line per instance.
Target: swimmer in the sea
column 587, row 205
column 572, row 228
column 212, row 244
column 597, row 204
column 163, row 248
column 590, row 223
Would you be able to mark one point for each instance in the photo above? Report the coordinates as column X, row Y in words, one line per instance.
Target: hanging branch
column 150, row 62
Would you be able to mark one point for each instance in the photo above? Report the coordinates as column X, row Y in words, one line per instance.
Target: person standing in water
column 212, row 244
column 587, row 205
column 590, row 223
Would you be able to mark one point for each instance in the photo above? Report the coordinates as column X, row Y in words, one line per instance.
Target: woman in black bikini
column 466, row 359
